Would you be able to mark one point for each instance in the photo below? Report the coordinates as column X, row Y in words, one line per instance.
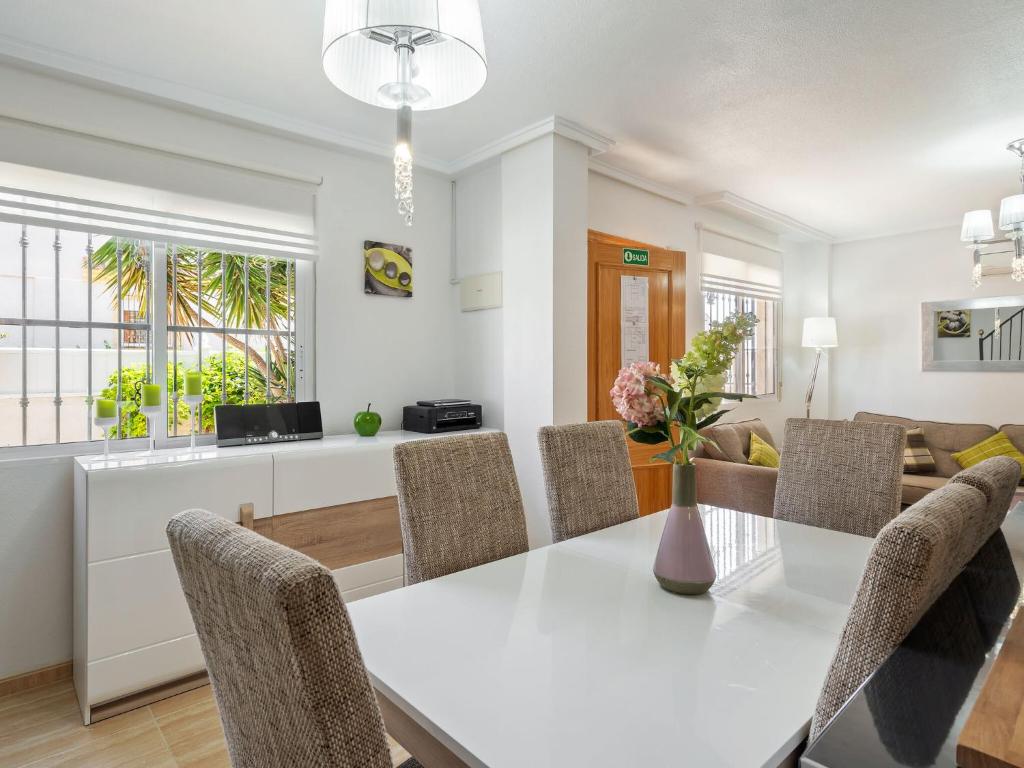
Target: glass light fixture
column 405, row 55
column 977, row 227
column 1011, row 217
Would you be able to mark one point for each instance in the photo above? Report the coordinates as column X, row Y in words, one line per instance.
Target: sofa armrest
column 728, row 484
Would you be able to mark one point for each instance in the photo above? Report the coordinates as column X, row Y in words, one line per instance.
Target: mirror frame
column 928, row 310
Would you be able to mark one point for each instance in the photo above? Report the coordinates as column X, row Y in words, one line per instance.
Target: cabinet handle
column 246, row 515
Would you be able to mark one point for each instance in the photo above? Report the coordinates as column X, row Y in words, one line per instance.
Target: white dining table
column 572, row 655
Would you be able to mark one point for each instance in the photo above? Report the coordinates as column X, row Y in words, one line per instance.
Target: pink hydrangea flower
column 632, row 399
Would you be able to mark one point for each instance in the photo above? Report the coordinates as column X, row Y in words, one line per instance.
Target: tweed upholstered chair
column 285, row 667
column 997, row 478
column 914, row 558
column 459, row 504
column 842, row 475
column 587, row 476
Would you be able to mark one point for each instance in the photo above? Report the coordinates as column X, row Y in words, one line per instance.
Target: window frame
column 304, row 340
column 739, row 363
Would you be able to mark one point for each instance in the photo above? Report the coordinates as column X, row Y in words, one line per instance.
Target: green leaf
column 648, row 435
column 669, row 455
column 707, row 422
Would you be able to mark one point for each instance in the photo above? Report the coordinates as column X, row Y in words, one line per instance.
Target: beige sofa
column 725, row 479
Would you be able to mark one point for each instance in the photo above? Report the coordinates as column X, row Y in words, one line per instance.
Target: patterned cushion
column 997, row 445
column 762, row 454
column 916, row 456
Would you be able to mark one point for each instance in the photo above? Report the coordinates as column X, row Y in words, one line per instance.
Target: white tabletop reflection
column 572, row 655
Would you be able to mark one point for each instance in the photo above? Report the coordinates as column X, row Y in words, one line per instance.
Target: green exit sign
column 637, row 257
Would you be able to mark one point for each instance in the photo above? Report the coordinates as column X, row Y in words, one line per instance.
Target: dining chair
column 587, row 476
column 286, row 670
column 842, row 475
column 459, row 504
column 912, row 561
column 997, row 478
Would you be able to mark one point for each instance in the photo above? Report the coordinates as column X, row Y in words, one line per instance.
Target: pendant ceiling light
column 406, row 55
column 978, row 230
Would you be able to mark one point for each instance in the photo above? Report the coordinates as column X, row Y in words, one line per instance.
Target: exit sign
column 637, row 257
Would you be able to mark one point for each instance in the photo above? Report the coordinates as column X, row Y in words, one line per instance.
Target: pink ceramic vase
column 684, row 563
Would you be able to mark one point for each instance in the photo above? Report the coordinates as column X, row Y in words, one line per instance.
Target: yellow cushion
column 997, row 445
column 762, row 454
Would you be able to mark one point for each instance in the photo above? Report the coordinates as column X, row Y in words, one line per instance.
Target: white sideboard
column 134, row 640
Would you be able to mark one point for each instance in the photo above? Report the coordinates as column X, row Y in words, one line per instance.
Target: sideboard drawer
column 135, row 602
column 145, row 668
column 330, row 477
column 129, row 508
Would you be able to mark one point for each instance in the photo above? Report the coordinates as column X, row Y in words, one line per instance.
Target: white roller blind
column 732, row 265
column 69, row 202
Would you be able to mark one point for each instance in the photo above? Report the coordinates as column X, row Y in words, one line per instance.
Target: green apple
column 367, row 423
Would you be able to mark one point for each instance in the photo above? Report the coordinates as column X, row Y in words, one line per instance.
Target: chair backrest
column 997, row 478
column 914, row 558
column 587, row 476
column 286, row 670
column 842, row 475
column 459, row 503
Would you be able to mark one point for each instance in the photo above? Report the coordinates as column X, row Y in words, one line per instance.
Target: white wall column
column 544, row 255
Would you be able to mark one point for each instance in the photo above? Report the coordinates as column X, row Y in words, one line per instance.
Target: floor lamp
column 819, row 333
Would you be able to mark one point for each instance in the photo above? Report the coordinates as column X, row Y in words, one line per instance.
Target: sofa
column 725, row 479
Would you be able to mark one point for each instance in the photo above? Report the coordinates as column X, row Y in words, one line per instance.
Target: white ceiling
column 858, row 118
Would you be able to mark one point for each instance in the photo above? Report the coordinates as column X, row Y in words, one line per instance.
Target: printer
column 434, row 416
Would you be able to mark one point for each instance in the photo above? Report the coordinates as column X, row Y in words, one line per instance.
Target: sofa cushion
column 1016, row 434
column 732, row 441
column 997, row 445
column 917, row 459
column 916, row 487
column 943, row 439
column 762, row 454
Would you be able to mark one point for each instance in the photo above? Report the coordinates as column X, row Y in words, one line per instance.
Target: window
column 755, row 369
column 738, row 275
column 80, row 309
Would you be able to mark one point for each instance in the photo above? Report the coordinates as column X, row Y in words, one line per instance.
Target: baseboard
column 135, row 700
column 36, row 678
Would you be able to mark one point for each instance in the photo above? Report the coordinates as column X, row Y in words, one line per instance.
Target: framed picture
column 953, row 323
column 387, row 269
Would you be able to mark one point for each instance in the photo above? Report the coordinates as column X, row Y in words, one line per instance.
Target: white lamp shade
column 977, row 226
column 820, row 332
column 1011, row 213
column 451, row 69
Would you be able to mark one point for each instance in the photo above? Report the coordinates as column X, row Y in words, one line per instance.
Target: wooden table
column 571, row 655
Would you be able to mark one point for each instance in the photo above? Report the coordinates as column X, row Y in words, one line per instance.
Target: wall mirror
column 976, row 334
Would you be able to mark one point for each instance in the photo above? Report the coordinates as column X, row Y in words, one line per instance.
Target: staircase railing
column 1000, row 332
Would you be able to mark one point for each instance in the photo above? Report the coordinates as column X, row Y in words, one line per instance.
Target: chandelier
column 978, row 230
column 405, row 55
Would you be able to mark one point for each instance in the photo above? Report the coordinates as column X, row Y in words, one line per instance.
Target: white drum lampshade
column 977, row 226
column 1011, row 213
column 449, row 63
column 820, row 332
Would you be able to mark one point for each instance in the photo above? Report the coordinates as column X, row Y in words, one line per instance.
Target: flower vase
column 683, row 564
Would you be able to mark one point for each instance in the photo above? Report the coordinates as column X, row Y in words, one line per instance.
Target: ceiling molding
column 661, row 190
column 165, row 92
column 592, row 140
column 761, row 215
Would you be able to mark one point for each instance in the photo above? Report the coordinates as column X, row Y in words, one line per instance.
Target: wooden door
column 608, row 277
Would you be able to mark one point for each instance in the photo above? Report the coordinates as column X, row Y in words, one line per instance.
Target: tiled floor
column 43, row 727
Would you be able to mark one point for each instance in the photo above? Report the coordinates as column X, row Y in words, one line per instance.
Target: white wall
column 478, row 236
column 877, row 289
column 623, row 210
column 388, row 350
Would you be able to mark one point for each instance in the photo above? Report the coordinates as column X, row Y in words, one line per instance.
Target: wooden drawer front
column 135, row 602
column 342, row 535
column 129, row 508
column 327, row 478
column 147, row 667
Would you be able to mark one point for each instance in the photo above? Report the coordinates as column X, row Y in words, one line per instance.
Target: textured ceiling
column 858, row 118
